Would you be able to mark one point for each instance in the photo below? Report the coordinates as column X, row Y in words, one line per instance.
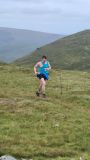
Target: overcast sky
column 54, row 16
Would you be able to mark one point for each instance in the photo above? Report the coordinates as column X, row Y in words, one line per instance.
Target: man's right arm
column 35, row 68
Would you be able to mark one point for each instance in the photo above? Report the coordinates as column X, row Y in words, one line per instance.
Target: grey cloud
column 27, row 1
column 43, row 11
column 47, row 13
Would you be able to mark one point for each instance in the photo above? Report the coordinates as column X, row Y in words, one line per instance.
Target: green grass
column 55, row 128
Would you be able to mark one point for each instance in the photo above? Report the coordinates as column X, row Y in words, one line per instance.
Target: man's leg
column 43, row 84
column 40, row 87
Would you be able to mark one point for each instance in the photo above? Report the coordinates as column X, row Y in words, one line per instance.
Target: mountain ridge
column 16, row 43
column 71, row 52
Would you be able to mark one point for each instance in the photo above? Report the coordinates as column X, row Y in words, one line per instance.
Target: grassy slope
column 56, row 128
column 72, row 52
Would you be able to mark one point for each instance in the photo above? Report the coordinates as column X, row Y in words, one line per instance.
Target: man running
column 41, row 70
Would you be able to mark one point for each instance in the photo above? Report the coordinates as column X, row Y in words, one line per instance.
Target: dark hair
column 44, row 57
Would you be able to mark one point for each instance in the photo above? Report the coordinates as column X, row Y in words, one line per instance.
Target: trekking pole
column 61, row 82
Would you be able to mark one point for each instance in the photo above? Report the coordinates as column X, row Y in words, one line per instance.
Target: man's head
column 44, row 58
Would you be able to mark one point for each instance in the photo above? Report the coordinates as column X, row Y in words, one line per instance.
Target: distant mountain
column 16, row 43
column 71, row 52
column 2, row 63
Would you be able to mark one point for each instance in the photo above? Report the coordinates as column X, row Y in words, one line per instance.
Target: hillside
column 71, row 52
column 55, row 128
column 16, row 43
column 2, row 63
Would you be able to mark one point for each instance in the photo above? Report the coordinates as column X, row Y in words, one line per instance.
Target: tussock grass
column 57, row 127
